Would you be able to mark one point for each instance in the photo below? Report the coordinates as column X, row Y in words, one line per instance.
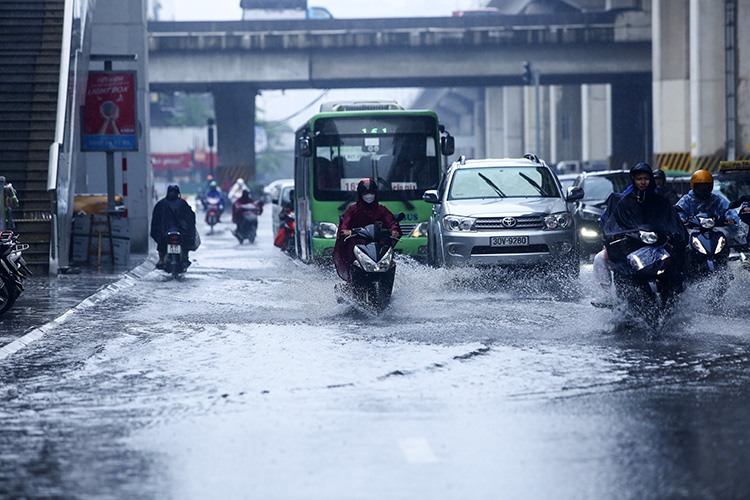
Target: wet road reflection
column 247, row 380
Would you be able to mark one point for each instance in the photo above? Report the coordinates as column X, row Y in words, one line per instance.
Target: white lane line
column 417, row 451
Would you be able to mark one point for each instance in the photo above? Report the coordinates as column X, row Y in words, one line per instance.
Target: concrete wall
column 120, row 28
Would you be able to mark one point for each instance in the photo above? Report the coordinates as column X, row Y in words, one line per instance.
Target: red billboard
column 109, row 112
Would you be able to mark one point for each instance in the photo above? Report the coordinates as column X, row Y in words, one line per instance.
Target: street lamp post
column 531, row 76
column 211, row 146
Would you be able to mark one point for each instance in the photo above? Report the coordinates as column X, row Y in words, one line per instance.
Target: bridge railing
column 259, row 36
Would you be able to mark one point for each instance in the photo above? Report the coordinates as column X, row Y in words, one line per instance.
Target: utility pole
column 211, row 146
column 531, row 76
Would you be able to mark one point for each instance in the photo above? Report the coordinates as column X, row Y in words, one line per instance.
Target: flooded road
column 246, row 379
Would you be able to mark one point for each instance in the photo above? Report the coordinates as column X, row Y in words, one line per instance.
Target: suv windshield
column 733, row 184
column 501, row 182
column 600, row 187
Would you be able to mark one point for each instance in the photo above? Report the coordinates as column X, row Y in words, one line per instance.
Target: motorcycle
column 247, row 222
column 214, row 207
column 175, row 263
column 643, row 272
column 373, row 269
column 13, row 269
column 285, row 236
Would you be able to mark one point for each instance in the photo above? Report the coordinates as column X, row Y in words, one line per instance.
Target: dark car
column 597, row 186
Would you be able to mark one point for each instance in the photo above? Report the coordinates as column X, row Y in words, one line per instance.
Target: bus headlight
column 324, row 230
column 422, row 230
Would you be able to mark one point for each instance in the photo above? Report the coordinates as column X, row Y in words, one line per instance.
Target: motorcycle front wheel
column 8, row 294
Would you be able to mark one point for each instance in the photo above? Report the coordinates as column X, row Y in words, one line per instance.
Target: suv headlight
column 456, row 223
column 324, row 230
column 561, row 220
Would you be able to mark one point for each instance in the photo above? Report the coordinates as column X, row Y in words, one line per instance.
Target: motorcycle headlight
column 707, row 223
column 561, row 220
column 588, row 233
column 721, row 244
column 695, row 242
column 324, row 230
column 422, row 230
column 369, row 265
column 648, row 237
column 456, row 223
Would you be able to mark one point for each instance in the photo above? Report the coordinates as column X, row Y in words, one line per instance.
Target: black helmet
column 659, row 174
column 173, row 191
column 367, row 186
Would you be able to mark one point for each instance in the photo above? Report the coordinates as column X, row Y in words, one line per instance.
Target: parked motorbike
column 176, row 262
column 644, row 277
column 373, row 269
column 285, row 236
column 13, row 269
column 214, row 207
column 247, row 222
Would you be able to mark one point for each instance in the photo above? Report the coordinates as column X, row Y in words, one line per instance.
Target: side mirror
column 447, row 145
column 575, row 193
column 431, row 196
column 303, row 144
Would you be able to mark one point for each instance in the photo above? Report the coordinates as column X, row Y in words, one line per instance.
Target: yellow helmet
column 702, row 183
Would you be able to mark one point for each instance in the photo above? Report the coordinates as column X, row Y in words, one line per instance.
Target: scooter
column 285, row 236
column 175, row 263
column 247, row 226
column 373, row 269
column 13, row 269
column 708, row 256
column 643, row 272
column 213, row 212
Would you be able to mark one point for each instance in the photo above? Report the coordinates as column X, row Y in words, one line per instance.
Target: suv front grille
column 522, row 222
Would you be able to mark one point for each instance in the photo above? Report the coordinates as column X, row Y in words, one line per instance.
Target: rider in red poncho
column 366, row 211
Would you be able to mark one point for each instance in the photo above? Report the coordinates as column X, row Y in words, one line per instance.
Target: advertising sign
column 109, row 117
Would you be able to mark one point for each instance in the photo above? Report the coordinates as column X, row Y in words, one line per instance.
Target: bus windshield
column 400, row 152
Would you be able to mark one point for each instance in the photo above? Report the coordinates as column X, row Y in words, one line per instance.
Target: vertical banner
column 109, row 112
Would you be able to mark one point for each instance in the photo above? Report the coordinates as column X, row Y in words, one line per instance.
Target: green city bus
column 343, row 144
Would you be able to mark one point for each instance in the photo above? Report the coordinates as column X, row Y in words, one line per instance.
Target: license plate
column 509, row 241
column 173, row 249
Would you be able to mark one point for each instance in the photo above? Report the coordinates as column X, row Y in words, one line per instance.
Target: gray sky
column 218, row 10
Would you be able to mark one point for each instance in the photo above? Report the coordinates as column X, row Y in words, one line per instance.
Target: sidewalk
column 46, row 298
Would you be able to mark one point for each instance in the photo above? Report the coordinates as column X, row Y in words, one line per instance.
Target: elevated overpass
column 421, row 52
column 236, row 59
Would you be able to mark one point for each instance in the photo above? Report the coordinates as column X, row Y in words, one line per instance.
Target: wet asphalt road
column 247, row 380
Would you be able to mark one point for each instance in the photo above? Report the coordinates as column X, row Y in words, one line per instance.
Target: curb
column 127, row 280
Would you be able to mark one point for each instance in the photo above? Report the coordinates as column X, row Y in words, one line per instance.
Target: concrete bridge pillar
column 494, row 128
column 565, row 123
column 596, row 124
column 513, row 122
column 530, row 125
column 631, row 123
column 234, row 104
column 707, row 80
column 671, row 80
column 742, row 99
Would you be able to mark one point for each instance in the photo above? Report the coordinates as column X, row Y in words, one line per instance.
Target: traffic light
column 527, row 77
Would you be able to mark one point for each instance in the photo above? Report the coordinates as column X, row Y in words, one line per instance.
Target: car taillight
column 174, row 240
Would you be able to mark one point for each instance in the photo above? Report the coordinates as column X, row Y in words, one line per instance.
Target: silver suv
column 503, row 212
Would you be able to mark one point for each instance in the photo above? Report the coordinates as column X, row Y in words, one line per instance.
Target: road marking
column 417, row 451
